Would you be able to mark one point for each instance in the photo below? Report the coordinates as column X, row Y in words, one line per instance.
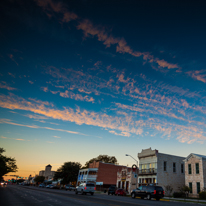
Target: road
column 17, row 195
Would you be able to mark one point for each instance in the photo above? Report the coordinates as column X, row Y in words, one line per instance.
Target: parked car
column 70, row 187
column 111, row 190
column 149, row 192
column 42, row 185
column 85, row 188
column 48, row 186
column 120, row 192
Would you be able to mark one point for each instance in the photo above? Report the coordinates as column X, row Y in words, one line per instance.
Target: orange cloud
column 199, row 75
column 3, row 85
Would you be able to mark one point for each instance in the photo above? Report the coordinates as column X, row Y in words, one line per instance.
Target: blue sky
column 83, row 78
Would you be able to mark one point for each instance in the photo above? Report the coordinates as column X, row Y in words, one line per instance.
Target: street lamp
column 137, row 164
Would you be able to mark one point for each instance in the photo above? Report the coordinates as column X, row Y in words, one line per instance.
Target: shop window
column 190, row 186
column 198, row 187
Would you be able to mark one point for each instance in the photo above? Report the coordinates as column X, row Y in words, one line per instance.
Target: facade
column 99, row 172
column 195, row 173
column 47, row 173
column 161, row 169
column 127, row 179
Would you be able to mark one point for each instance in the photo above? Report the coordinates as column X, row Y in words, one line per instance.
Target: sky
column 81, row 78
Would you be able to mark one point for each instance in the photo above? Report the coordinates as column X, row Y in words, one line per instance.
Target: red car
column 120, row 192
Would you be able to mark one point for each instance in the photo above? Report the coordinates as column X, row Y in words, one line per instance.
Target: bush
column 202, row 195
column 178, row 194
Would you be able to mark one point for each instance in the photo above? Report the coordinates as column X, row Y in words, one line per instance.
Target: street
column 17, row 195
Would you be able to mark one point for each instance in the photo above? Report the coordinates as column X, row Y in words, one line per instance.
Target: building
column 127, row 179
column 195, row 173
column 104, row 174
column 161, row 169
column 47, row 173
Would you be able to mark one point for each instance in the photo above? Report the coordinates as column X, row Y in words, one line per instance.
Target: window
column 140, row 180
column 197, row 168
column 152, row 165
column 190, row 186
column 174, row 167
column 189, row 169
column 165, row 166
column 198, row 187
column 182, row 168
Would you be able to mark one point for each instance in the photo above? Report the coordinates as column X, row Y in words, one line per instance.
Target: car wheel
column 133, row 195
column 108, row 193
column 76, row 192
column 66, row 189
column 148, row 196
column 92, row 193
column 158, row 199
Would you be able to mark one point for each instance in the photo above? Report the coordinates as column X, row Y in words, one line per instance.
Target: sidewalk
column 183, row 200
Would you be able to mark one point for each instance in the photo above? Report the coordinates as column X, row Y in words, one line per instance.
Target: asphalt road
column 17, row 195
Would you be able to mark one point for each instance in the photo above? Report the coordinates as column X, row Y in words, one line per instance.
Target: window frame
column 165, row 166
column 174, row 168
column 197, row 171
column 189, row 169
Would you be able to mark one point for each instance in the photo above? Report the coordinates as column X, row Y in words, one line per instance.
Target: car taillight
column 163, row 192
column 85, row 188
column 95, row 188
column 155, row 192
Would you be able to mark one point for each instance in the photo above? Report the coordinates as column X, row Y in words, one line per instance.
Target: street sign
column 99, row 183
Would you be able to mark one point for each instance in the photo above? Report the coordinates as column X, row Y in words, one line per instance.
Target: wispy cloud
column 6, row 121
column 199, row 75
column 4, row 85
column 56, row 136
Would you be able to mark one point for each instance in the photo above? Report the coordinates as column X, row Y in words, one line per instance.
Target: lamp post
column 137, row 164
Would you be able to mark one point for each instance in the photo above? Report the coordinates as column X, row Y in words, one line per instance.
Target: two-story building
column 127, row 179
column 47, row 173
column 195, row 173
column 161, row 169
column 100, row 173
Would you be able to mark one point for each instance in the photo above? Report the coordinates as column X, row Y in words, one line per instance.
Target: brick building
column 195, row 173
column 161, row 169
column 100, row 172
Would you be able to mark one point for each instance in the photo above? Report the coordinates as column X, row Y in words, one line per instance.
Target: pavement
column 17, row 195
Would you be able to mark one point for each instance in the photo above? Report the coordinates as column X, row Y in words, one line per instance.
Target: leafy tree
column 68, row 172
column 185, row 189
column 7, row 164
column 39, row 179
column 102, row 158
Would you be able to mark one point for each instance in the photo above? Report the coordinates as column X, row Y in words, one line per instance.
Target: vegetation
column 102, row 158
column 185, row 190
column 68, row 172
column 178, row 194
column 202, row 195
column 7, row 164
column 39, row 179
column 168, row 189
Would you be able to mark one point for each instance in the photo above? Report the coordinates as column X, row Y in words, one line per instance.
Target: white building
column 87, row 175
column 195, row 173
column 161, row 169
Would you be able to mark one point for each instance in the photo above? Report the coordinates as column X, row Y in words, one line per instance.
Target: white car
column 70, row 187
column 85, row 188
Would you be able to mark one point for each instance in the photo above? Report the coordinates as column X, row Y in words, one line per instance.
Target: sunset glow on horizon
column 83, row 78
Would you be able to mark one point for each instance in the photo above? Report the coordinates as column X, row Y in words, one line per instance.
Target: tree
column 102, row 158
column 7, row 164
column 68, row 172
column 168, row 189
column 39, row 179
column 185, row 189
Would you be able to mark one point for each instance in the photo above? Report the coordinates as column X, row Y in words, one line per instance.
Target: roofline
column 170, row 155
